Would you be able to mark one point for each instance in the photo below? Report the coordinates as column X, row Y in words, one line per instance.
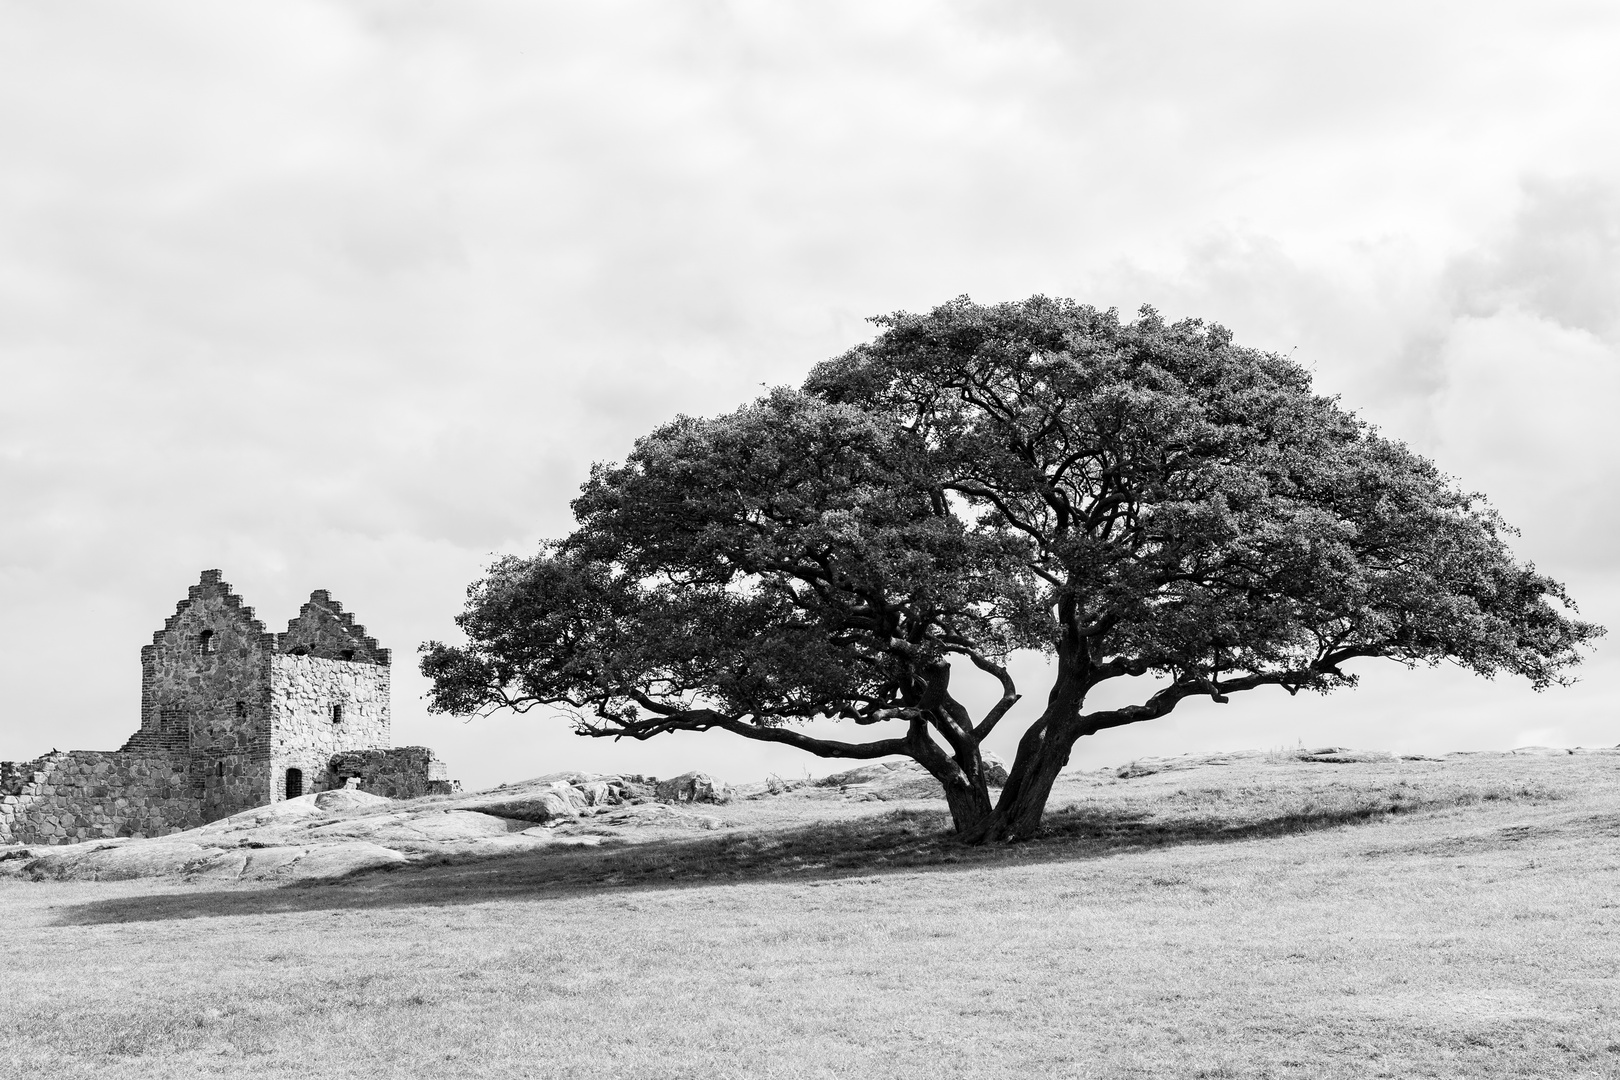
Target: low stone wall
column 73, row 795
column 405, row 772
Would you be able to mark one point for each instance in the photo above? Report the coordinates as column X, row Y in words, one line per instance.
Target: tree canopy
column 1133, row 498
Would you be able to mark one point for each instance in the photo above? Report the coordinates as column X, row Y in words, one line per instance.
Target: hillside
column 339, row 833
column 1244, row 915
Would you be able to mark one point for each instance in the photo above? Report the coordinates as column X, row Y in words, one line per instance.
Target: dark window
column 300, row 651
column 205, row 643
column 337, row 714
column 295, row 783
column 241, row 710
column 347, row 654
column 219, row 768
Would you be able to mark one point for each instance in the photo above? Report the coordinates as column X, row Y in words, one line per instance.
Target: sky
column 351, row 295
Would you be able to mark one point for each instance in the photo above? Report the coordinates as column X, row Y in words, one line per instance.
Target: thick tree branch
column 1009, row 695
column 995, row 498
column 1163, row 702
column 706, row 719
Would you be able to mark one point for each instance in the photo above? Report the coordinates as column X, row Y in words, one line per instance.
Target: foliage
column 1134, row 498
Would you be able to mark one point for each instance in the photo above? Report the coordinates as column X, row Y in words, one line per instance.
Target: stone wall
column 303, row 692
column 73, row 795
column 405, row 772
column 205, row 689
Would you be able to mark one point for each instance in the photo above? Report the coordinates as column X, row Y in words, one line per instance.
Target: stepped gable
column 203, row 654
column 210, row 586
column 324, row 629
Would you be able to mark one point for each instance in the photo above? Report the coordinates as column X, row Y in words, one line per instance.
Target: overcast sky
column 350, row 295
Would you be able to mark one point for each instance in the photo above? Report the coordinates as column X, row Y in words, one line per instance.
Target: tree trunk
column 1042, row 754
column 969, row 801
column 961, row 775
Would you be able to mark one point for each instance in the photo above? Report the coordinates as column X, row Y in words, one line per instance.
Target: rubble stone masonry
column 73, row 795
column 405, row 772
column 304, row 692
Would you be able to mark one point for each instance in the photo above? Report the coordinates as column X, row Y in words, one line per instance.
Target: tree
column 1133, row 498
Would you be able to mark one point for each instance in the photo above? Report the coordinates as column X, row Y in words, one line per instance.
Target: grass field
column 1265, row 918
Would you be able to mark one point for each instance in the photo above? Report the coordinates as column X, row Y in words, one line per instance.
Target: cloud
column 351, row 294
column 1559, row 258
column 1524, row 347
column 1527, row 415
column 1501, row 360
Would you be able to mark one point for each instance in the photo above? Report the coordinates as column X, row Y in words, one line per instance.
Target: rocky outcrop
column 332, row 833
column 1341, row 755
column 995, row 770
column 905, row 779
column 556, row 797
column 536, row 803
column 693, row 787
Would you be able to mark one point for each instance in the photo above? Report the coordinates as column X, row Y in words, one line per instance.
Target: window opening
column 241, row 710
column 219, row 767
column 347, row 654
column 295, row 783
column 337, row 714
column 205, row 643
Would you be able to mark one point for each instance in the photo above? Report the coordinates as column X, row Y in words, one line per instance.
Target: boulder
column 864, row 774
column 914, row 782
column 693, row 787
column 537, row 803
column 1341, row 755
column 1151, row 765
column 596, row 792
column 995, row 770
column 904, row 779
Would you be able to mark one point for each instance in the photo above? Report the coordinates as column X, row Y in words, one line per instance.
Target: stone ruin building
column 232, row 717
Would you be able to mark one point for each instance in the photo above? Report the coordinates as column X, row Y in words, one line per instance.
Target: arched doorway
column 295, row 783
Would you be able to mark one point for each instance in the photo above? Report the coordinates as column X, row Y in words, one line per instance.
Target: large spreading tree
column 1136, row 499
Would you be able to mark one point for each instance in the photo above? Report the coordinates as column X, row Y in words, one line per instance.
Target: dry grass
column 1264, row 918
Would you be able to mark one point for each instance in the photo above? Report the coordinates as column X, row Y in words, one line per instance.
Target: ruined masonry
column 232, row 717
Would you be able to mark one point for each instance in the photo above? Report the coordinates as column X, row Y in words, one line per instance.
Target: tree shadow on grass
column 908, row 840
